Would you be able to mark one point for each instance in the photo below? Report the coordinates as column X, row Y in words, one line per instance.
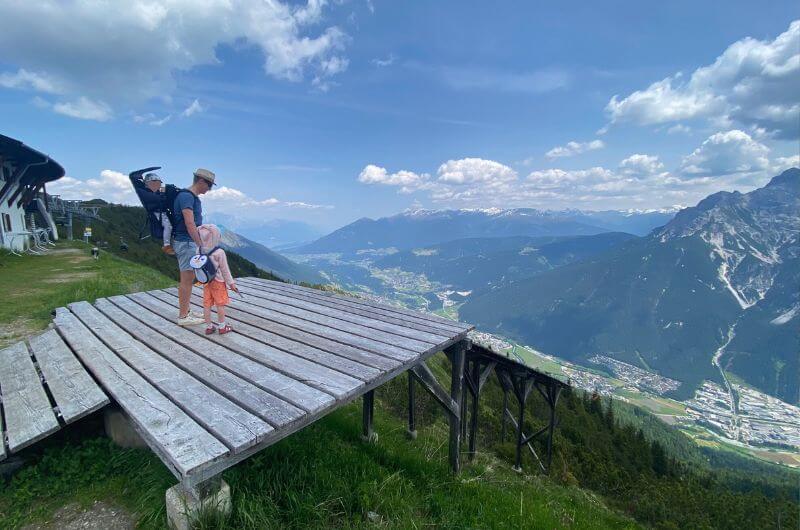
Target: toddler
column 152, row 183
column 215, row 292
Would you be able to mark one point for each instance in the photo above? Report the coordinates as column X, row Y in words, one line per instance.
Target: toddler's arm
column 224, row 270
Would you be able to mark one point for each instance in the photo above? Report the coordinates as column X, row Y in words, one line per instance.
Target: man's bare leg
column 185, row 292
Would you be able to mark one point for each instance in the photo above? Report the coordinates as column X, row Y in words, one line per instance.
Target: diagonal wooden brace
column 425, row 377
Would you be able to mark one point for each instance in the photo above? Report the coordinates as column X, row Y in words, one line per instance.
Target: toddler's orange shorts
column 215, row 293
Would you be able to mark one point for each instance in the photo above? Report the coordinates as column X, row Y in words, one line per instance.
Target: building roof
column 25, row 170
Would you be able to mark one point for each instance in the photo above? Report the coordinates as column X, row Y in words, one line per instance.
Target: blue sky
column 330, row 111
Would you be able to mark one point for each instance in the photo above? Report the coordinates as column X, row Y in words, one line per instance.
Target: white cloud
column 726, row 153
column 639, row 165
column 132, row 54
column 408, row 181
column 753, row 82
column 26, row 80
column 381, row 63
column 151, row 119
column 679, row 129
column 639, row 181
column 472, row 170
column 574, row 148
column 231, row 200
column 162, row 121
column 194, row 108
column 84, row 109
column 782, row 163
column 111, row 186
column 116, row 187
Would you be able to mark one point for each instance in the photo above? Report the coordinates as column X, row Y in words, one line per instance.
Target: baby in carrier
column 155, row 200
column 215, row 292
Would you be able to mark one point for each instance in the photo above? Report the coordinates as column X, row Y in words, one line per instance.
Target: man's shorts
column 184, row 250
column 215, row 293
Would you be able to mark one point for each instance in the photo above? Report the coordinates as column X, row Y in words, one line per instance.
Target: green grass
column 36, row 285
column 322, row 477
column 536, row 361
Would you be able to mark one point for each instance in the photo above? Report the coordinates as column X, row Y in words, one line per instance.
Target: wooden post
column 367, row 433
column 412, row 423
column 555, row 393
column 473, row 426
column 518, row 461
column 503, row 421
column 522, row 389
column 464, row 410
column 457, row 354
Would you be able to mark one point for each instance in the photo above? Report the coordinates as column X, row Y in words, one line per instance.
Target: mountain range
column 722, row 278
column 421, row 228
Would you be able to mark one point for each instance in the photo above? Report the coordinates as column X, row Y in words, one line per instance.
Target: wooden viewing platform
column 205, row 402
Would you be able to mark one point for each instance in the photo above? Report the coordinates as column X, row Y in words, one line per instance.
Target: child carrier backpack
column 204, row 269
column 154, row 204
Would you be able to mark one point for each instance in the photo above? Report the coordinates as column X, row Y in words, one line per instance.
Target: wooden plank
column 264, row 319
column 336, row 362
column 334, row 383
column 74, row 390
column 184, row 445
column 2, row 444
column 414, row 345
column 345, row 314
column 274, row 411
column 232, row 425
column 324, row 358
column 29, row 414
column 295, row 392
column 354, row 300
column 294, row 340
column 371, row 312
column 363, row 302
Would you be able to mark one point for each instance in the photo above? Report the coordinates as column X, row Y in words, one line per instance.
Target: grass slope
column 35, row 285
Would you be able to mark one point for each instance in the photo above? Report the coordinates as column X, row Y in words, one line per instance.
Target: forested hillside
column 123, row 224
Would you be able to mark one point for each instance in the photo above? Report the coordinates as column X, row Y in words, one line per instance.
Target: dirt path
column 100, row 516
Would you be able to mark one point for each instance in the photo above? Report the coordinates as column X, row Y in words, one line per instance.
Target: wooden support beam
column 474, row 376
column 368, row 434
column 507, row 414
column 423, row 374
column 412, row 422
column 457, row 355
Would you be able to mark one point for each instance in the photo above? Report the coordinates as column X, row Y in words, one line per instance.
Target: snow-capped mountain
column 417, row 228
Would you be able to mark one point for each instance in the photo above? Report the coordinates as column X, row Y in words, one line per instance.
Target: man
column 188, row 213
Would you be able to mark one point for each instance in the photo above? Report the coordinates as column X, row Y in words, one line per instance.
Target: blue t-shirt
column 186, row 199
